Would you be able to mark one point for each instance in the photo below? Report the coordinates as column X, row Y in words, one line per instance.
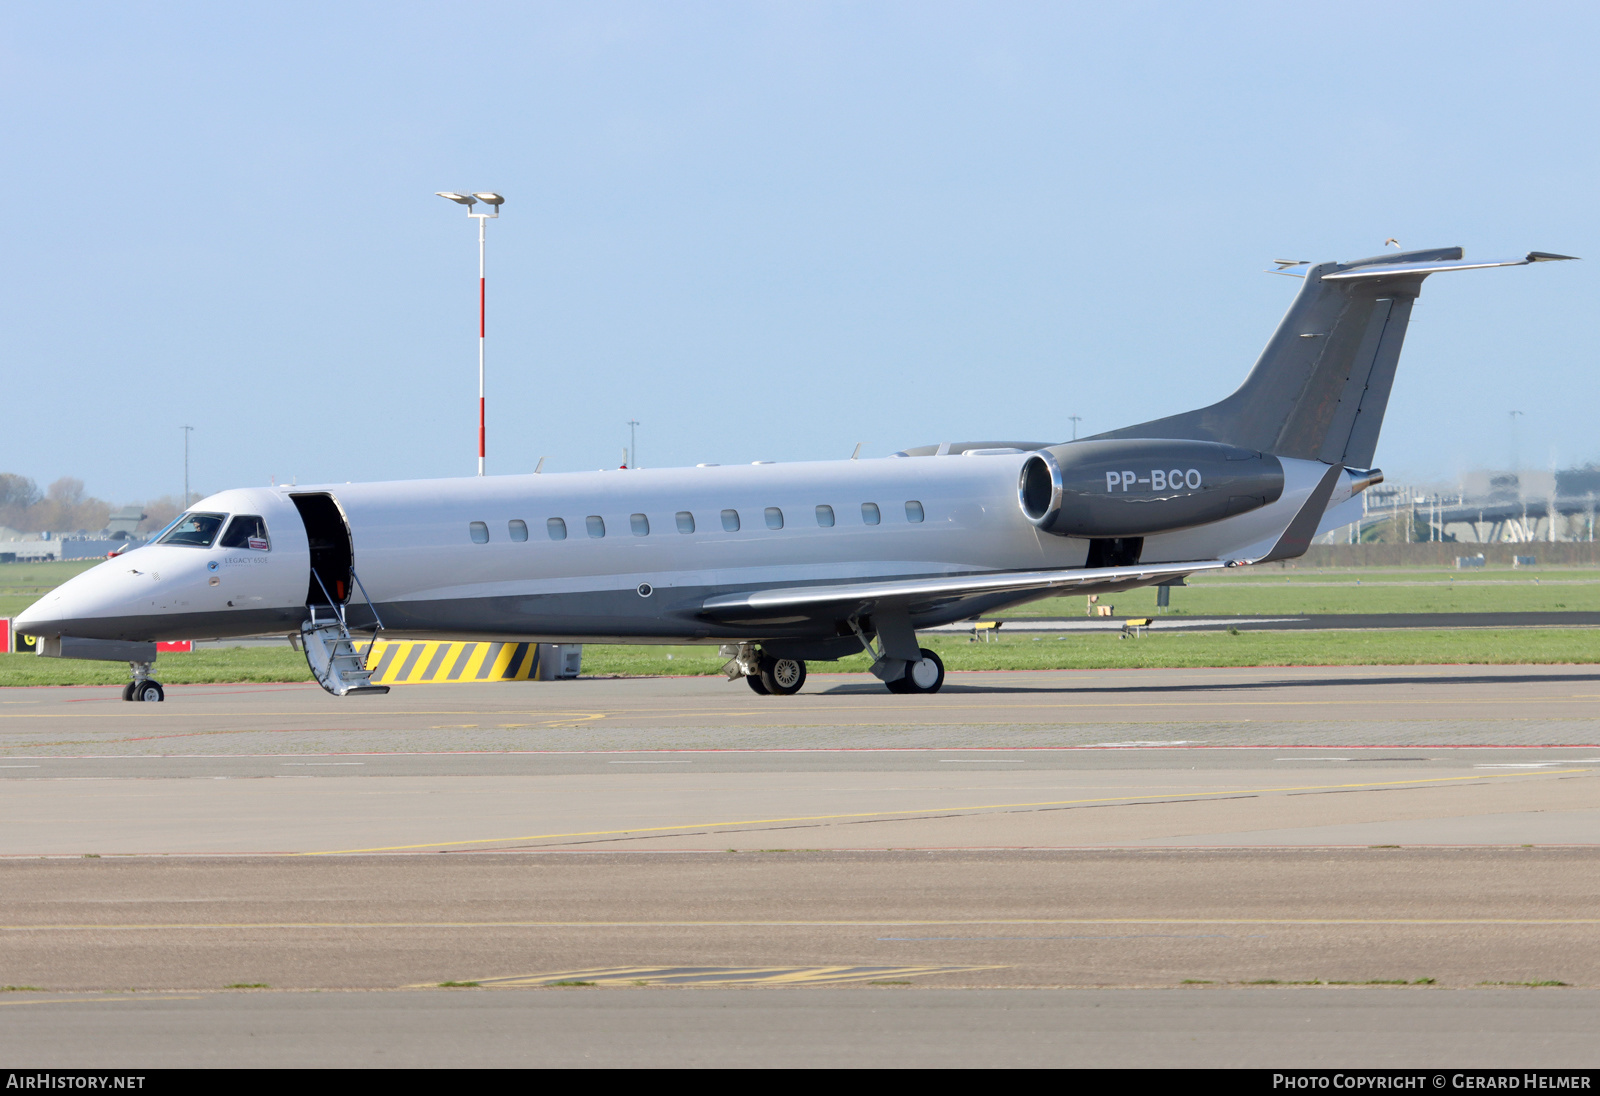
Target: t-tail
column 1319, row 389
column 1303, row 426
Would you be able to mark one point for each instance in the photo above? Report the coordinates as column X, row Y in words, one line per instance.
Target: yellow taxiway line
column 1188, row 795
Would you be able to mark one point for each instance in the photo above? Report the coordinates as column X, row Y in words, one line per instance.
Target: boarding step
column 334, row 660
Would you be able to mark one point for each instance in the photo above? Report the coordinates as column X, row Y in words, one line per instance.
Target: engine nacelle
column 1134, row 487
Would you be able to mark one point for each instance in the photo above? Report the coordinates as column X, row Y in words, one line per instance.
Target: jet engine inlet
column 1040, row 487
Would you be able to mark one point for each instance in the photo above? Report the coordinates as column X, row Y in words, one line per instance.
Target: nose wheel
column 147, row 690
column 143, row 687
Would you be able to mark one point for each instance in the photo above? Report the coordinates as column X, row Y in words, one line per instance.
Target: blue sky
column 766, row 231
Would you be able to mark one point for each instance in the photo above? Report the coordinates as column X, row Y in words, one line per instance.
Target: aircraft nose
column 28, row 618
column 82, row 606
column 55, row 612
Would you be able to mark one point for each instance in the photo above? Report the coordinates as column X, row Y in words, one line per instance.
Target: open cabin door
column 332, row 555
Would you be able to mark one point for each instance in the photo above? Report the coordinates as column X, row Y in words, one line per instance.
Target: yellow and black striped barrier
column 428, row 662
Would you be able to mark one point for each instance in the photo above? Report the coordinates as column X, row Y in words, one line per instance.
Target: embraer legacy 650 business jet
column 782, row 564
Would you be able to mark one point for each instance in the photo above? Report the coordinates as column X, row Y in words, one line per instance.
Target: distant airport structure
column 1485, row 507
column 120, row 532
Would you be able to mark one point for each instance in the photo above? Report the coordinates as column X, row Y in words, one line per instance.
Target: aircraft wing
column 798, row 602
column 843, row 597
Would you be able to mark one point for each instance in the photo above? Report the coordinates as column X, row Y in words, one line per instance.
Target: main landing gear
column 143, row 687
column 768, row 676
column 779, row 676
column 926, row 675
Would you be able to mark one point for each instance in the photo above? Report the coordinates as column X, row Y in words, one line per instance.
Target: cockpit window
column 246, row 531
column 195, row 530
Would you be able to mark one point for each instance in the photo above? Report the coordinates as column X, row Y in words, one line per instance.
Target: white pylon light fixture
column 494, row 202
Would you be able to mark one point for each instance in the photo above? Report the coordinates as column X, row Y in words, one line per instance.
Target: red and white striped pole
column 481, row 328
column 494, row 202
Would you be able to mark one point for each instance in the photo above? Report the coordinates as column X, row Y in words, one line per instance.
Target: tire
column 783, row 676
column 149, row 692
column 756, row 684
column 925, row 675
column 897, row 686
column 127, row 691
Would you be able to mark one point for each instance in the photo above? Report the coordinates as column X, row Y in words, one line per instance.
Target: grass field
column 1269, row 591
column 1274, row 591
column 1409, row 647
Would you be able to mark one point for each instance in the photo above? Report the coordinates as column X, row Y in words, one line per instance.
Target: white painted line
column 1318, row 759
column 1128, row 745
column 978, row 761
column 18, row 766
column 309, row 764
column 1539, row 764
column 649, row 762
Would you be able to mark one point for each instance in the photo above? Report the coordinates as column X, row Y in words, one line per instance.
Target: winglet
column 1297, row 537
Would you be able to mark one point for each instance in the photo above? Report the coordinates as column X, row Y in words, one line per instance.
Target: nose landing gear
column 143, row 687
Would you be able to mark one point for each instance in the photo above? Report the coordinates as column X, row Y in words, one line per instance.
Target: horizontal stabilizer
column 1391, row 270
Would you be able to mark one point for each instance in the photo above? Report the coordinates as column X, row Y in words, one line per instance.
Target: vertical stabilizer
column 1319, row 389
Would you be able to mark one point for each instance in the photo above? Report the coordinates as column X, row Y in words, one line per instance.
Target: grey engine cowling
column 1133, row 487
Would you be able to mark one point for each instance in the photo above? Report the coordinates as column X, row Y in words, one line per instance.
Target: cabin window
column 685, row 521
column 194, row 530
column 246, row 531
column 870, row 513
column 639, row 524
column 825, row 517
column 914, row 511
column 518, row 529
column 479, row 531
column 774, row 518
column 597, row 525
column 730, row 520
column 557, row 528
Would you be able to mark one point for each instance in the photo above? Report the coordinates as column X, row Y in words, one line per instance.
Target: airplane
column 783, row 564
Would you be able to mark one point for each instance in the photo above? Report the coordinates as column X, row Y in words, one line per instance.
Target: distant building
column 1483, row 507
column 125, row 521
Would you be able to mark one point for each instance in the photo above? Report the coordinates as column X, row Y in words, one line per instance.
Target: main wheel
column 926, row 675
column 149, row 691
column 783, row 676
column 756, row 684
column 127, row 691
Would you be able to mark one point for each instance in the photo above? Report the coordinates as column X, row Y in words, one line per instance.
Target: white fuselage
column 419, row 562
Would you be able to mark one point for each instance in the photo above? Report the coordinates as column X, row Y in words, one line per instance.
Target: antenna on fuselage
column 857, row 454
column 540, row 466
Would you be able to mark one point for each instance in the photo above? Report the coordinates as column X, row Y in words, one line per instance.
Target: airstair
column 331, row 650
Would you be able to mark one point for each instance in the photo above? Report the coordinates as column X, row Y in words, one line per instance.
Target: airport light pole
column 187, row 430
column 494, row 202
